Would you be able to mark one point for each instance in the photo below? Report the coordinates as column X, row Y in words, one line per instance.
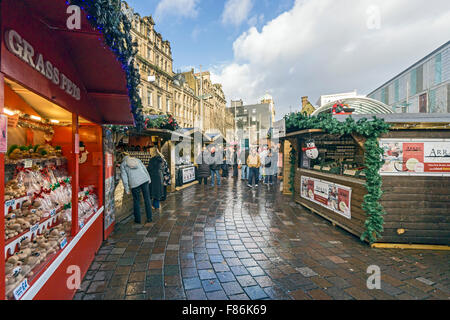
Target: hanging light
column 8, row 112
column 54, row 121
column 36, row 118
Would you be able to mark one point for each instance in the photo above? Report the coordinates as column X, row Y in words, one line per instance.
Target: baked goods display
column 16, row 152
column 38, row 214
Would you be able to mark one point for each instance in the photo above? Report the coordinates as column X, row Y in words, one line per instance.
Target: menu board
column 416, row 157
column 332, row 196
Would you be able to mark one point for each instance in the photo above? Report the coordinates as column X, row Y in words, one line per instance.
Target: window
column 254, row 111
column 159, row 102
column 168, row 105
column 438, row 69
column 149, row 53
column 149, row 98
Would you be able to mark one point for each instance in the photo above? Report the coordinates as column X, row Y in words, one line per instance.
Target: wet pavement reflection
column 233, row 242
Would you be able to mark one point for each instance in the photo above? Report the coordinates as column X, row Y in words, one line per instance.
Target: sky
column 295, row 48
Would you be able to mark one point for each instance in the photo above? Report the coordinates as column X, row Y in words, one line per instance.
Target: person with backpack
column 268, row 174
column 136, row 177
column 253, row 163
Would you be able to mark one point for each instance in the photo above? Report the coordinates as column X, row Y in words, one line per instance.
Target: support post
column 75, row 173
column 2, row 200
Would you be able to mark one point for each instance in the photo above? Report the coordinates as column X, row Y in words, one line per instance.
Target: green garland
column 371, row 130
column 292, row 160
column 106, row 16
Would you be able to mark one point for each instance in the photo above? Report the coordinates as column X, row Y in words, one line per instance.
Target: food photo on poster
column 414, row 156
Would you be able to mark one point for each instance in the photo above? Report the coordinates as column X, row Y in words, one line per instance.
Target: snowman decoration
column 311, row 150
column 84, row 153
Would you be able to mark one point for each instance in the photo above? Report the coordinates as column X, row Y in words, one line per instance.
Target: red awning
column 96, row 64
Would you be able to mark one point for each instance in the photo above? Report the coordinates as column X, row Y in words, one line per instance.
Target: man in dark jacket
column 203, row 171
column 155, row 169
column 214, row 165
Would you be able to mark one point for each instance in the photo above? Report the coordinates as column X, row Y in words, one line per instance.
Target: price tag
column 10, row 203
column 63, row 243
column 34, row 228
column 28, row 163
column 350, row 172
column 52, row 212
column 20, row 290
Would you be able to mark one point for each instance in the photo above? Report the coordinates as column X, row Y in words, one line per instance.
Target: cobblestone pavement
column 232, row 242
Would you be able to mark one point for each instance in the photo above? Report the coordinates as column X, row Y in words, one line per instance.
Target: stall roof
column 215, row 136
column 402, row 117
column 361, row 105
column 191, row 131
column 107, row 89
column 163, row 133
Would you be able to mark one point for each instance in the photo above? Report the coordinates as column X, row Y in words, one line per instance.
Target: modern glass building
column 422, row 88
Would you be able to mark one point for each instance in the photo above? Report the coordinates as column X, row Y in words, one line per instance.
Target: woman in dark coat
column 155, row 169
column 203, row 171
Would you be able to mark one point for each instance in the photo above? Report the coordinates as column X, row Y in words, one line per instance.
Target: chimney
column 304, row 101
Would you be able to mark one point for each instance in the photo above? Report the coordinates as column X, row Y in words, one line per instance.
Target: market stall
column 53, row 101
column 335, row 171
column 186, row 171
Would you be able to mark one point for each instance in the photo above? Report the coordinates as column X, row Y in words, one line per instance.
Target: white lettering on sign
column 24, row 50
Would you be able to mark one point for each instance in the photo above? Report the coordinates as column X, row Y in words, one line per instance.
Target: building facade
column 155, row 63
column 186, row 102
column 253, row 122
column 422, row 88
column 164, row 92
column 211, row 103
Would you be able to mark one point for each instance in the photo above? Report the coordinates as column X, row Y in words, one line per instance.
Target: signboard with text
column 416, row 157
column 332, row 196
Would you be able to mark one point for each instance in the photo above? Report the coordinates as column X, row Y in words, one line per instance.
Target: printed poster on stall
column 416, row 157
column 188, row 174
column 330, row 195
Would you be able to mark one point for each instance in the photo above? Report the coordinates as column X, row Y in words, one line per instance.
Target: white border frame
column 410, row 174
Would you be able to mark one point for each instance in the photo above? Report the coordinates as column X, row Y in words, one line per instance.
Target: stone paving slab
column 232, row 242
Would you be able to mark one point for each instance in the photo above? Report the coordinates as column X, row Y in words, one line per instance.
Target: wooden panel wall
column 418, row 205
column 355, row 225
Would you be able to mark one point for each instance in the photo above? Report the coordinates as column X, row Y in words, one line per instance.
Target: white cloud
column 181, row 8
column 236, row 11
column 325, row 46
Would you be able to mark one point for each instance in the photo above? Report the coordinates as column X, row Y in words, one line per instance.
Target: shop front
column 337, row 174
column 53, row 103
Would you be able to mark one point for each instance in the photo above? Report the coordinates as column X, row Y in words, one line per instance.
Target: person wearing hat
column 135, row 177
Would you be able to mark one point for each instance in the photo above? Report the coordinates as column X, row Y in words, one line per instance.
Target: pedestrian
column 135, row 177
column 155, row 169
column 244, row 168
column 262, row 156
column 167, row 177
column 214, row 165
column 268, row 175
column 275, row 164
column 234, row 161
column 253, row 163
column 203, row 171
column 225, row 168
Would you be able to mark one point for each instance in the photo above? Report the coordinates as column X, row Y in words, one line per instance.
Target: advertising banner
column 188, row 175
column 330, row 195
column 109, row 187
column 416, row 157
